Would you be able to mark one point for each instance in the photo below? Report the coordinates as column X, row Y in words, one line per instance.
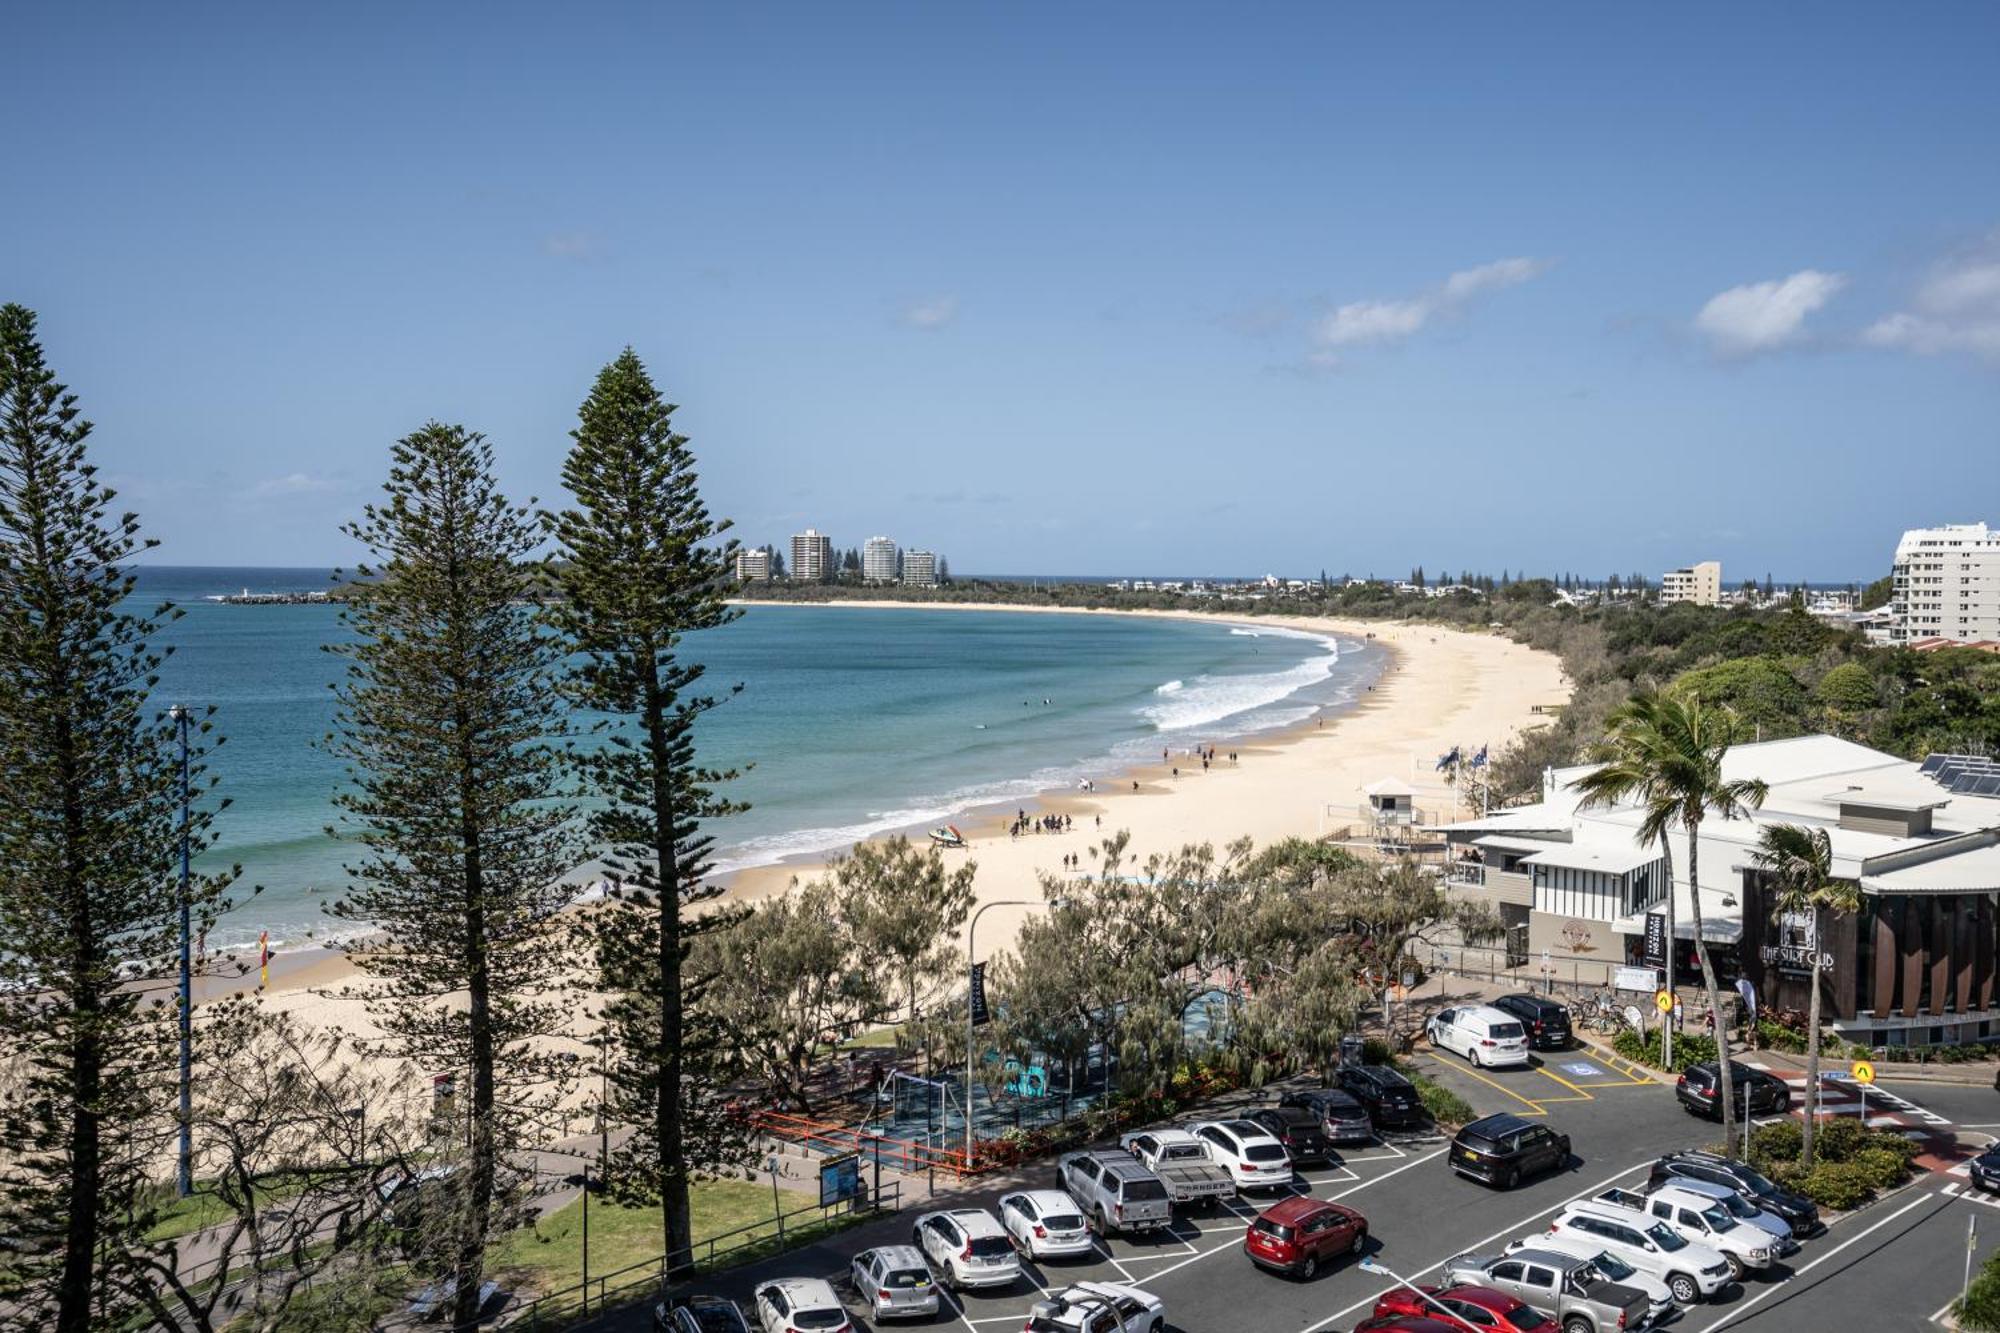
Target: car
column 1984, row 1170
column 1797, row 1210
column 967, row 1247
column 1610, row 1264
column 1476, row 1308
column 1097, row 1307
column 1116, row 1191
column 1044, row 1224
column 1299, row 1130
column 1253, row 1158
column 1503, row 1149
column 1700, row 1219
column 698, row 1314
column 894, row 1282
column 1390, row 1099
column 800, row 1305
column 1343, row 1119
column 1299, row 1234
column 1485, row 1036
column 1407, row 1323
column 1573, row 1292
column 1182, row 1163
column 1757, row 1092
column 1546, row 1020
column 1743, row 1210
column 1691, row 1271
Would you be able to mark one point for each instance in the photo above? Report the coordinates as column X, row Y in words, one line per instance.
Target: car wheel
column 1736, row 1269
column 1511, row 1178
column 1784, row 1106
column 1360, row 1241
column 1684, row 1289
column 1472, row 1057
column 1577, row 1323
column 1309, row 1268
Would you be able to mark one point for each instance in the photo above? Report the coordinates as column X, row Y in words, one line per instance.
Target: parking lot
column 1888, row 1266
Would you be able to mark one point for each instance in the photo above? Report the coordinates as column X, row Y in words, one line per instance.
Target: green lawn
column 549, row 1257
column 205, row 1208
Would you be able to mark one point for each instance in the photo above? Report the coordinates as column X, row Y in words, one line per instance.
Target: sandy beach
column 1439, row 688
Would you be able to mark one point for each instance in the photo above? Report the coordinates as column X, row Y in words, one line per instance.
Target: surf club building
column 1582, row 900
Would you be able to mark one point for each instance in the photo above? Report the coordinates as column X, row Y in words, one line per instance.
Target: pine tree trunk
column 470, row 1266
column 1726, row 1090
column 675, row 1213
column 86, row 1058
column 1812, row 1053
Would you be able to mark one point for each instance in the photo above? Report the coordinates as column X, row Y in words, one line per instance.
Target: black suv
column 1503, row 1148
column 1700, row 1090
column 1299, row 1130
column 1388, row 1097
column 1797, row 1210
column 1344, row 1119
column 1546, row 1021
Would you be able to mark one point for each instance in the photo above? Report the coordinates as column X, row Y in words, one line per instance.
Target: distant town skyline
column 1125, row 291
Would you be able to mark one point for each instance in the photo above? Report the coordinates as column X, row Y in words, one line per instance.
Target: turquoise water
column 851, row 721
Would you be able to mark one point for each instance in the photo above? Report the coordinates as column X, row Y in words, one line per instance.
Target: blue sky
column 1048, row 288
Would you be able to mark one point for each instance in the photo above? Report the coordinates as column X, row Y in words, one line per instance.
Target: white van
column 1482, row 1034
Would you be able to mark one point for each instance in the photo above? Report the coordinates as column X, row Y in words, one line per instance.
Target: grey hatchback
column 894, row 1282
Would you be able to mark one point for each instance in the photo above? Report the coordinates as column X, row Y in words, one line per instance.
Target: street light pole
column 184, row 1169
column 971, row 1034
column 1373, row 1266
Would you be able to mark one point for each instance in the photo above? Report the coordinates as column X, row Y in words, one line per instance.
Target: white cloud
column 1956, row 309
column 1763, row 316
column 931, row 314
column 293, row 483
column 1359, row 323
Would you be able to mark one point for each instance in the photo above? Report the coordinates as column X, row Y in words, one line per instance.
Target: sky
column 1103, row 289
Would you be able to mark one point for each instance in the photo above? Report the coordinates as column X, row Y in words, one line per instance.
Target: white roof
column 1538, row 817
column 1389, row 787
column 1801, row 757
column 1973, row 871
column 1500, row 842
column 1606, row 857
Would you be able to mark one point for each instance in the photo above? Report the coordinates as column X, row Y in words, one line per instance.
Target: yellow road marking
column 1582, row 1095
column 1534, row 1107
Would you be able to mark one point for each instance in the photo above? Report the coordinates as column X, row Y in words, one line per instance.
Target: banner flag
column 980, row 1017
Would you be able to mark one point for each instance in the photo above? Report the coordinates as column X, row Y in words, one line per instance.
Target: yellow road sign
column 1862, row 1072
column 1664, row 1001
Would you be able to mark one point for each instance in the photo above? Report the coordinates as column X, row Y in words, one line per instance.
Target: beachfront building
column 1922, row 840
column 1946, row 585
column 1699, row 584
column 753, row 564
column 812, row 557
column 878, row 560
column 920, row 569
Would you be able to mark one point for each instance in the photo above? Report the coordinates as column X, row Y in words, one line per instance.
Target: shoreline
column 1439, row 687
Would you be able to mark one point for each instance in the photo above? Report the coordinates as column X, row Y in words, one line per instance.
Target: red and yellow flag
column 264, row 959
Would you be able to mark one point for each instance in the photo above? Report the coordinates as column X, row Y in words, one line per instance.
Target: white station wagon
column 1250, row 1153
column 1045, row 1224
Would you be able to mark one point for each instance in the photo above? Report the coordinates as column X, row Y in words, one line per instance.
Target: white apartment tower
column 1947, row 584
column 878, row 560
column 1700, row 584
column 920, row 569
column 753, row 564
column 812, row 556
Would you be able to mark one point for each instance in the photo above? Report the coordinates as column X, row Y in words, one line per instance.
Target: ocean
column 851, row 722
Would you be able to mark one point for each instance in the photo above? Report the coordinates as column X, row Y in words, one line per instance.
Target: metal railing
column 566, row 1305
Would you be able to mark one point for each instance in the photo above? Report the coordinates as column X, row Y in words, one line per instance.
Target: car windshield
column 991, row 1247
column 817, row 1318
column 716, row 1319
column 1527, row 1317
column 1061, row 1221
column 1718, row 1218
column 1144, row 1191
column 1755, row 1180
column 1666, row 1237
column 1737, row 1207
column 1265, row 1152
column 1505, row 1031
column 1478, row 1142
column 907, row 1277
column 1612, row 1266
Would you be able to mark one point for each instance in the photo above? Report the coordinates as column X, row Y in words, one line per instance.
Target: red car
column 1473, row 1310
column 1298, row 1234
column 1407, row 1323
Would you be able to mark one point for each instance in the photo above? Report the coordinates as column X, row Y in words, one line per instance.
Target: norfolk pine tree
column 455, row 793
column 88, row 892
column 642, row 566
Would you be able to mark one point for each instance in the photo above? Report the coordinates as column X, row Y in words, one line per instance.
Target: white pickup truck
column 1181, row 1161
column 1701, row 1219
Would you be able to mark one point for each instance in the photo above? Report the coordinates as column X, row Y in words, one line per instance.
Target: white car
column 967, row 1247
column 894, row 1282
column 1606, row 1261
column 1485, row 1036
column 1692, row 1272
column 1250, row 1153
column 800, row 1305
column 1097, row 1307
column 1702, row 1219
column 1744, row 1210
column 1045, row 1224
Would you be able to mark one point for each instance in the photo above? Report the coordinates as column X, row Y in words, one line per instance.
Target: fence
column 1515, row 966
column 556, row 1309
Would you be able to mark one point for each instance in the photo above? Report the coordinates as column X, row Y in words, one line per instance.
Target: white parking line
column 1761, row 1296
column 1110, row 1258
column 1478, row 1244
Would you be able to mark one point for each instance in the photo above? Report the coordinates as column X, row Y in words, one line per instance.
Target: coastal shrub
column 1883, row 1167
column 1779, row 1141
column 1837, row 1185
column 1445, row 1107
column 1980, row 1308
column 1777, row 1037
column 1840, row 1139
column 1375, row 1051
column 1690, row 1048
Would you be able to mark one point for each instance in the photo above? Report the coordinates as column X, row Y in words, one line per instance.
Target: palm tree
column 1800, row 862
column 1664, row 753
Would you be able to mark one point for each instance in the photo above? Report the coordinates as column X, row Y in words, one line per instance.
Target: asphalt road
column 1887, row 1267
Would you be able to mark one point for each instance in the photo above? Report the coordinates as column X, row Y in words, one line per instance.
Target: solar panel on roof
column 1930, row 764
column 1987, row 786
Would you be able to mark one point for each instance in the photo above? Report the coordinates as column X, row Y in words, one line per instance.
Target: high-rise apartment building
column 1947, row 585
column 1700, row 584
column 812, row 556
column 753, row 564
column 920, row 569
column 878, row 560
